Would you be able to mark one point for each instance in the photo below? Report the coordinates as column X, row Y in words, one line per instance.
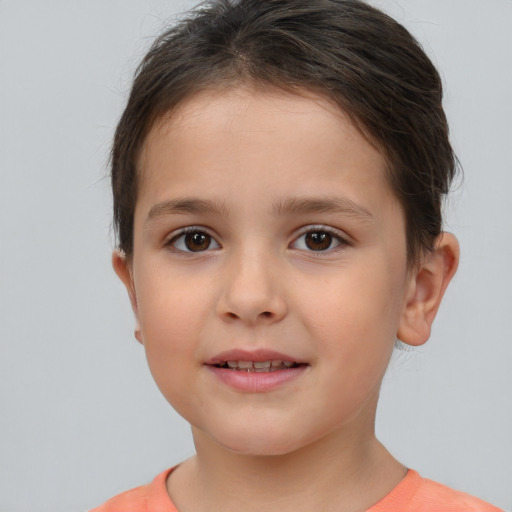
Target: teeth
column 258, row 366
column 262, row 364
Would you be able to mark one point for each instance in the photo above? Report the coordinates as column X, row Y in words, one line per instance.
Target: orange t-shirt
column 412, row 494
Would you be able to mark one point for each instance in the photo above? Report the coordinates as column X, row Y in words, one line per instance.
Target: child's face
column 295, row 250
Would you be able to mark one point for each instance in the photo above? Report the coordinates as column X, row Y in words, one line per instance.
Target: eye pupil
column 318, row 240
column 196, row 242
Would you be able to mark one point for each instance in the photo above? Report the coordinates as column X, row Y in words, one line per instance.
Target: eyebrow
column 186, row 205
column 288, row 206
column 332, row 205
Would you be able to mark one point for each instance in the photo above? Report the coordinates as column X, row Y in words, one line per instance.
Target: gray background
column 81, row 418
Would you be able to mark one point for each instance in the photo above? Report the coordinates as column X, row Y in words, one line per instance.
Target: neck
column 341, row 474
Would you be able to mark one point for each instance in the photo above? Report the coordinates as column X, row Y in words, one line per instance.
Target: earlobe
column 122, row 268
column 426, row 289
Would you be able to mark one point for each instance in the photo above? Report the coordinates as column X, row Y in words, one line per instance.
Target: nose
column 252, row 290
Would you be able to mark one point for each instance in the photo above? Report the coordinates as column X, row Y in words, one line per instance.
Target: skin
column 309, row 443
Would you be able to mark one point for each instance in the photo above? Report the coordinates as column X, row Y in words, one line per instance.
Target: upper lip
column 250, row 355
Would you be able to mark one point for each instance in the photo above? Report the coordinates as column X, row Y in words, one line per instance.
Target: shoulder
column 436, row 496
column 152, row 497
column 134, row 500
column 417, row 494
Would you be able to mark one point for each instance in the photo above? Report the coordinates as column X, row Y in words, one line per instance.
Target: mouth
column 272, row 365
column 255, row 371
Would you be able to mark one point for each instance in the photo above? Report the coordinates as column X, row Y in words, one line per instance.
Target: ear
column 426, row 288
column 123, row 269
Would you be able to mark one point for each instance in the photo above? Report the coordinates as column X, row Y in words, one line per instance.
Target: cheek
column 355, row 320
column 172, row 316
column 169, row 329
column 365, row 304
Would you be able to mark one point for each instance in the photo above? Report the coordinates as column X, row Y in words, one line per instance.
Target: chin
column 259, row 443
column 259, row 448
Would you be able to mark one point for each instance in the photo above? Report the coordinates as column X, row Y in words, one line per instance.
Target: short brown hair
column 346, row 50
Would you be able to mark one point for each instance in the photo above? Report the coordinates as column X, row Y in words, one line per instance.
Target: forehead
column 225, row 140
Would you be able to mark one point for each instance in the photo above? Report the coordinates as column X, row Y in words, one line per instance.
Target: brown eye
column 194, row 241
column 197, row 241
column 318, row 240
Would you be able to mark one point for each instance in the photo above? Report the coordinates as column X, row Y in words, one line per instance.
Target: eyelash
column 334, row 235
column 189, row 231
column 342, row 242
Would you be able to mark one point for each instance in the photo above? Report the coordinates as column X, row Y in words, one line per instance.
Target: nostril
column 266, row 314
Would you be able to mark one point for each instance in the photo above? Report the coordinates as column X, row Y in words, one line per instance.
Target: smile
column 255, row 371
column 257, row 366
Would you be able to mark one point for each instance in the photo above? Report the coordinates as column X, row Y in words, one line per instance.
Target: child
column 278, row 175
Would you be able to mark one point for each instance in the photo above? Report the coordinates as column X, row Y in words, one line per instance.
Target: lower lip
column 256, row 382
